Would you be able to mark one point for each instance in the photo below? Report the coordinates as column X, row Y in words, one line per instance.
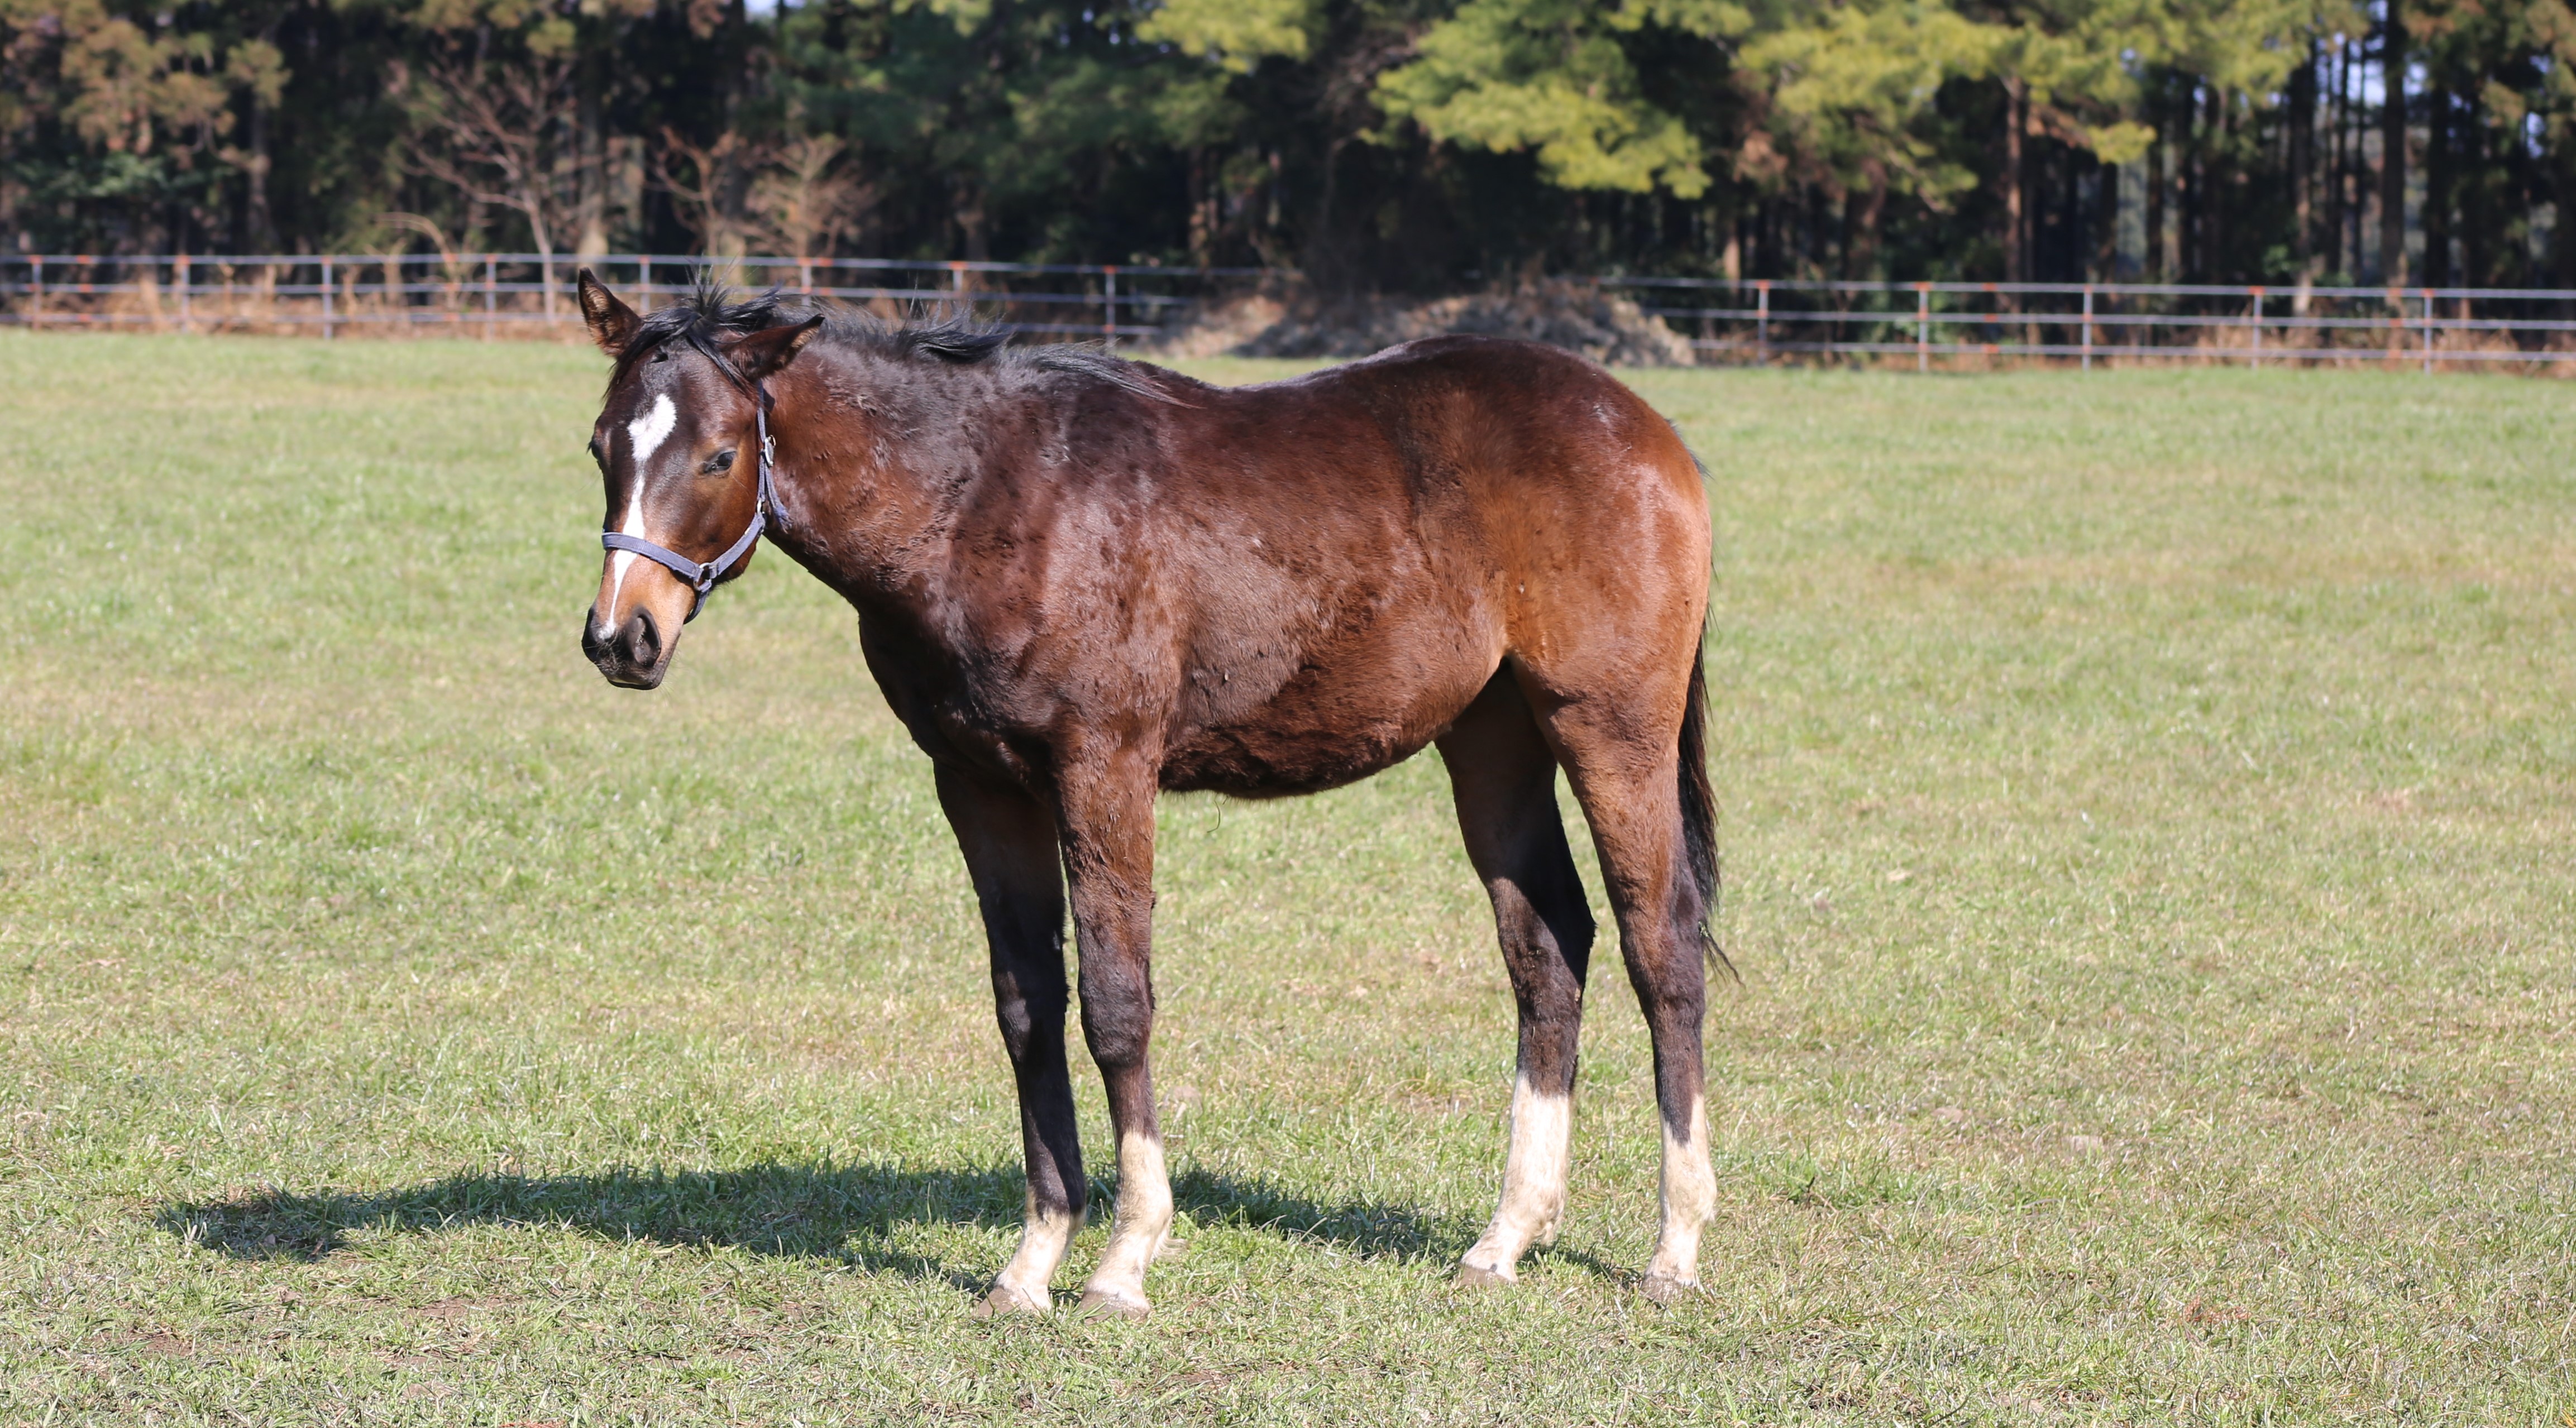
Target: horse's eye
column 595, row 453
column 721, row 461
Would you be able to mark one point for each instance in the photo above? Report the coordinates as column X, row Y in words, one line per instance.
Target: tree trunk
column 2478, row 226
column 544, row 233
column 2437, row 187
column 2192, row 190
column 2158, row 153
column 2392, row 162
column 2356, row 152
column 590, row 176
column 2016, row 113
column 2216, row 189
column 2564, row 233
column 2106, row 222
column 257, row 218
column 1202, row 210
column 2077, row 218
column 2303, row 164
column 1867, row 217
column 972, row 223
column 2335, row 164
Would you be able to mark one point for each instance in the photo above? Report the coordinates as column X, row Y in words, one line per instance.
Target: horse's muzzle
column 632, row 658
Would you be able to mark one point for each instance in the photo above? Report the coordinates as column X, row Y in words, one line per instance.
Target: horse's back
column 1500, row 428
column 1527, row 478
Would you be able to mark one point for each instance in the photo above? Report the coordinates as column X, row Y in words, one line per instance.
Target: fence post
column 2088, row 327
column 1762, row 321
column 2254, row 316
column 1109, row 304
column 187, row 314
column 2428, row 332
column 326, row 298
column 491, row 293
column 644, row 281
column 1922, row 327
column 957, row 287
column 36, row 290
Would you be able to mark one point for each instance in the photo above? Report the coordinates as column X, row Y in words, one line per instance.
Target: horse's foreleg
column 1107, row 813
column 1504, row 780
column 1009, row 840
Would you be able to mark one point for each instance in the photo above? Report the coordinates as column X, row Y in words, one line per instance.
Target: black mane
column 708, row 315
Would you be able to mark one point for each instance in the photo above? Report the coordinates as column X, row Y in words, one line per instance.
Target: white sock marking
column 1534, row 1173
column 1144, row 1220
column 1690, row 1198
column 1044, row 1237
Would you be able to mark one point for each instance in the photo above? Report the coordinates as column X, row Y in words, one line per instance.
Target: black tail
column 1699, row 807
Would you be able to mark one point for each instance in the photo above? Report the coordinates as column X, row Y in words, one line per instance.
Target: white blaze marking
column 644, row 436
column 1533, row 1179
column 648, row 431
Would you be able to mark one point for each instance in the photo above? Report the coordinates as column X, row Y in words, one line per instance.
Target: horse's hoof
column 1004, row 1300
column 1664, row 1289
column 1100, row 1305
column 1472, row 1276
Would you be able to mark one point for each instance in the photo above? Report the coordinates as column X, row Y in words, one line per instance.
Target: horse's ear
column 772, row 348
column 612, row 323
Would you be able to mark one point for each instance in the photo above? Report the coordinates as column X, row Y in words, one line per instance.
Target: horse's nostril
column 642, row 640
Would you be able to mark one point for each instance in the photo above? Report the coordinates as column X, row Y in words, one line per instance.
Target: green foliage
column 1553, row 77
column 1376, row 143
column 1850, row 85
column 1236, row 34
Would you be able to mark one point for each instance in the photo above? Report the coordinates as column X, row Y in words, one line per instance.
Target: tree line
column 1394, row 145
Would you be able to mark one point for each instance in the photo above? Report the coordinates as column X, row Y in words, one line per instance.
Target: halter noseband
column 702, row 578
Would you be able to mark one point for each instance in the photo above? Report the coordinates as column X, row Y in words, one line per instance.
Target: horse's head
column 679, row 454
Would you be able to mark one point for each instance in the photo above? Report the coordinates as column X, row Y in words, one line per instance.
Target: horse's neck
column 878, row 477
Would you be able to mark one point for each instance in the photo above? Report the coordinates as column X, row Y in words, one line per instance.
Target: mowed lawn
column 2149, row 823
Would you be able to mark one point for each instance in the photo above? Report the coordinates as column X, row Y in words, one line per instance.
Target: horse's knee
column 1118, row 1033
column 1030, row 1025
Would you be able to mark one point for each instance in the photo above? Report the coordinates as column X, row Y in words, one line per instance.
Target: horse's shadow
column 853, row 1214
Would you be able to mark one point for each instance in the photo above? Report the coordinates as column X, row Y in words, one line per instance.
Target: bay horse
column 1082, row 580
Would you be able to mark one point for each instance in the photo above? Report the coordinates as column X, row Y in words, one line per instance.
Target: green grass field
column 2150, row 811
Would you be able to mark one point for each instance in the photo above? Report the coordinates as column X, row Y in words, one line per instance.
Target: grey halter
column 702, row 578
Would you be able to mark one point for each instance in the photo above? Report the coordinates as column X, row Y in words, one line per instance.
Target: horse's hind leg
column 1629, row 786
column 1504, row 780
column 1010, row 845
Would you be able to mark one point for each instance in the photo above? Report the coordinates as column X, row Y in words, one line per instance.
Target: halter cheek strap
column 702, row 578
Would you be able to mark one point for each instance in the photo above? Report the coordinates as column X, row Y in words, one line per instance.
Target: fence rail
column 484, row 292
column 1749, row 320
column 2092, row 322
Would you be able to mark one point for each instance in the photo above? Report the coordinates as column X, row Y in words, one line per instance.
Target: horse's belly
column 1313, row 735
column 1274, row 762
column 1376, row 668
